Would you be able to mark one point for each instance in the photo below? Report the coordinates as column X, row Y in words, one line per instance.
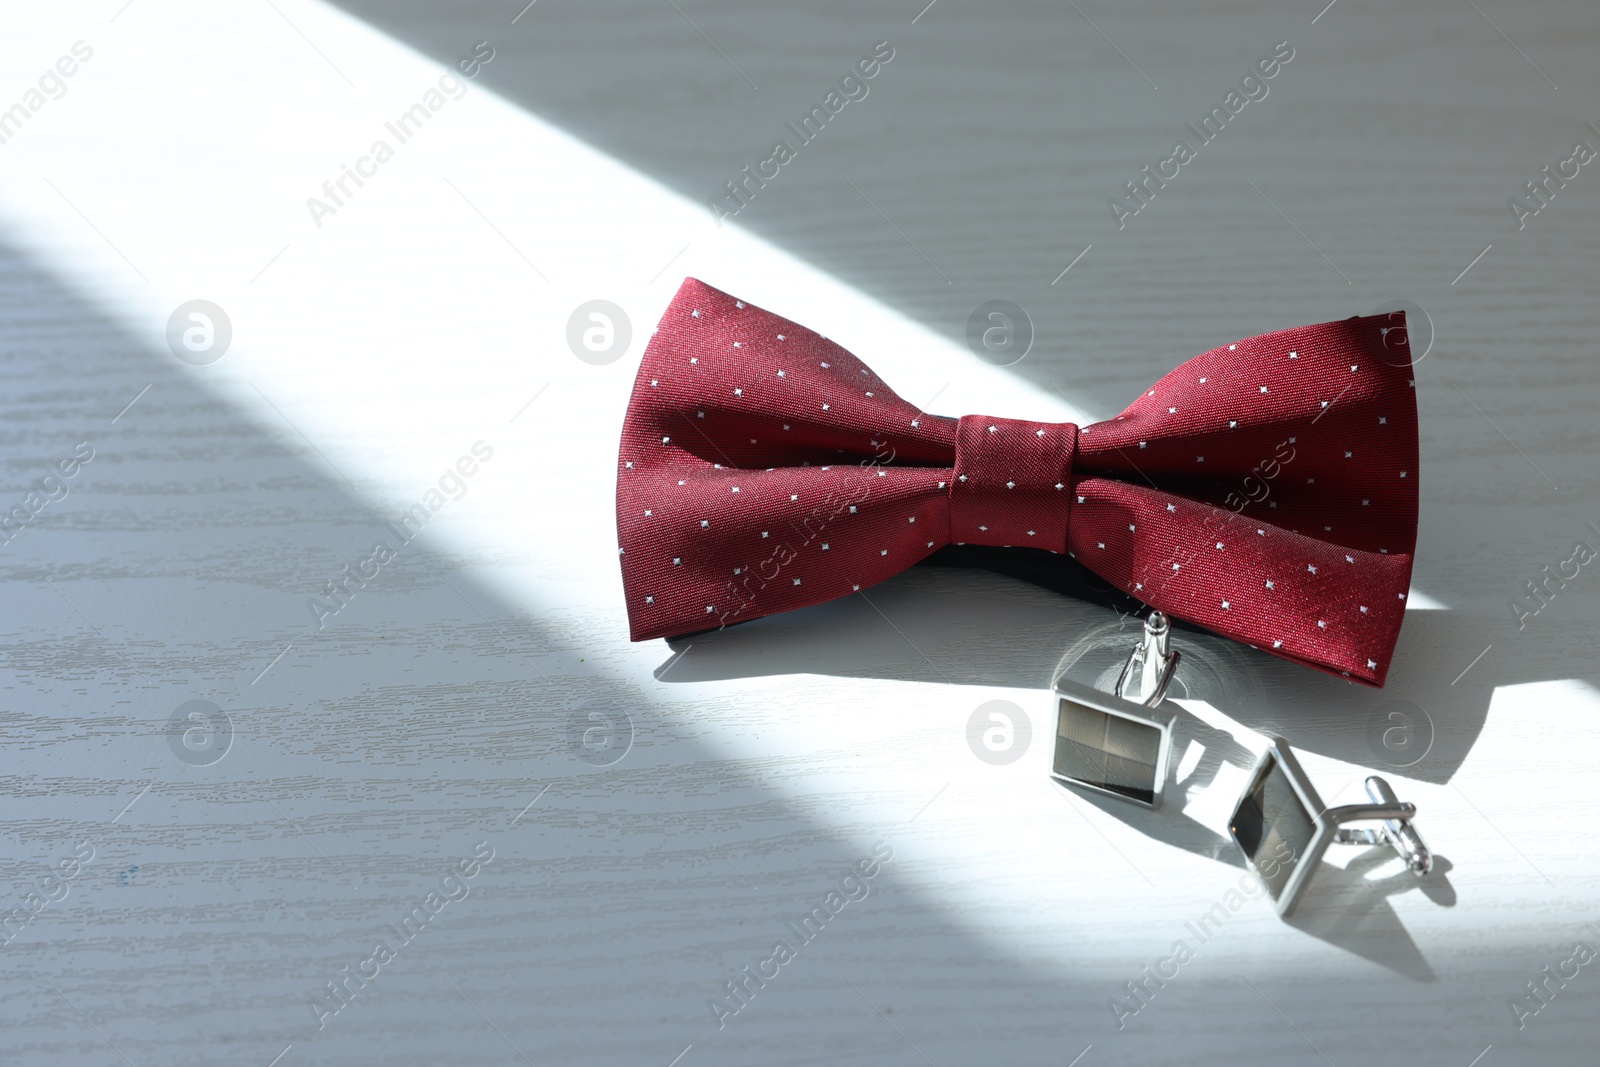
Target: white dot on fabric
column 695, row 313
column 797, row 581
column 824, row 546
column 1294, row 355
column 1372, row 663
column 1224, row 605
column 1321, row 625
column 649, row 600
column 1269, row 583
column 1263, row 388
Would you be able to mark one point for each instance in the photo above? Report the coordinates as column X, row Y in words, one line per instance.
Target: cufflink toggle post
column 1150, row 665
column 1397, row 829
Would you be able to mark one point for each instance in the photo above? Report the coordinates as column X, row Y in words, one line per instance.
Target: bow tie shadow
column 1008, row 617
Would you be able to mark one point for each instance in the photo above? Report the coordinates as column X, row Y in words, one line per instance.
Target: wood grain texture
column 369, row 756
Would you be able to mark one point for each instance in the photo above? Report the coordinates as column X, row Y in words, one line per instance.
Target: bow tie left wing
column 764, row 468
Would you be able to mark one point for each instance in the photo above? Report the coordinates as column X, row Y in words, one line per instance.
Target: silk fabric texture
column 1266, row 489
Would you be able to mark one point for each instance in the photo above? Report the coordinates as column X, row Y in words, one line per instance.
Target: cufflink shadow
column 1167, row 825
column 1351, row 911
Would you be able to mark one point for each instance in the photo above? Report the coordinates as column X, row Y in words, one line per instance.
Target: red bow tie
column 1266, row 490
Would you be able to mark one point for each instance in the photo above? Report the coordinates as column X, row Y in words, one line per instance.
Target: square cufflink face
column 1279, row 825
column 1110, row 745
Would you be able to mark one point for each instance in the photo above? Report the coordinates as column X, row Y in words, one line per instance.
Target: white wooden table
column 187, row 900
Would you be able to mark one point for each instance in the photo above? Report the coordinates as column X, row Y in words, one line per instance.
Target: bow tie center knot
column 1012, row 485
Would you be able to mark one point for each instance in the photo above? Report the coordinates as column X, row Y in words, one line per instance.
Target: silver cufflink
column 1282, row 828
column 1120, row 744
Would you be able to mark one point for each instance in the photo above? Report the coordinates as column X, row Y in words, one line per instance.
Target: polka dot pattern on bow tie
column 765, row 468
